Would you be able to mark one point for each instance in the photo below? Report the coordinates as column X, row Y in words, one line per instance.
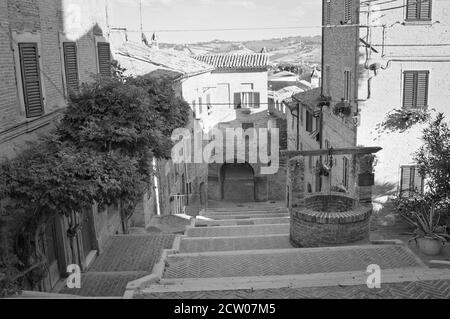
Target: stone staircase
column 245, row 251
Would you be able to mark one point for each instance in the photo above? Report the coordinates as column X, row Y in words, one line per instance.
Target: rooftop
column 307, row 98
column 287, row 92
column 256, row 61
column 139, row 59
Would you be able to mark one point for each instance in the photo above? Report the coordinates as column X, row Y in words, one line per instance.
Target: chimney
column 154, row 41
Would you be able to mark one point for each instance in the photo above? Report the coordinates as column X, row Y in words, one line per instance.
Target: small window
column 309, row 121
column 348, row 10
column 328, row 79
column 347, row 85
column 246, row 100
column 345, row 173
column 301, row 109
column 411, row 182
column 415, row 89
column 418, row 10
column 104, row 58
column 200, row 105
column 328, row 12
column 246, row 126
column 31, row 79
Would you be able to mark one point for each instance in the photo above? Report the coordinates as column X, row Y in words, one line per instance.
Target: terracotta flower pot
column 429, row 246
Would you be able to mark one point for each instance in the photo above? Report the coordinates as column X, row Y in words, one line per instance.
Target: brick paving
column 438, row 289
column 288, row 262
column 192, row 245
column 132, row 253
column 124, row 259
column 235, row 231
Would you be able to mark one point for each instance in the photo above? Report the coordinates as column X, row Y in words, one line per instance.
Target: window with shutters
column 31, row 79
column 411, row 182
column 328, row 12
column 348, row 11
column 347, row 85
column 104, row 58
column 418, row 10
column 245, row 100
column 302, row 110
column 328, row 79
column 71, row 65
column 415, row 89
column 309, row 121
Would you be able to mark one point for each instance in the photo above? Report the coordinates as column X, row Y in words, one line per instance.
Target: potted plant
column 342, row 109
column 324, row 101
column 429, row 236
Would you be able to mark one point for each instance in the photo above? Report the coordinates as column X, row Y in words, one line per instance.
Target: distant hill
column 295, row 50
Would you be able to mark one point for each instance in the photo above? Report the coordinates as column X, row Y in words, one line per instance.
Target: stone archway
column 238, row 182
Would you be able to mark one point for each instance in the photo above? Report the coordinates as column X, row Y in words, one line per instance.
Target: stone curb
column 355, row 278
column 387, row 242
column 441, row 263
column 154, row 277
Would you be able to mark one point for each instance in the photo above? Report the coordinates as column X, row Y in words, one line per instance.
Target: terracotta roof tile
column 141, row 59
column 235, row 61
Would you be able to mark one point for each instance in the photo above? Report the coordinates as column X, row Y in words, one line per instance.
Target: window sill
column 417, row 23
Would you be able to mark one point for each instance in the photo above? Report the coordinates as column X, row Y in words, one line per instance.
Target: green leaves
column 101, row 152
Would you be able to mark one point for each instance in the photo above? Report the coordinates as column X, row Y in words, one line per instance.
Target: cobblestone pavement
column 288, row 262
column 125, row 258
column 439, row 289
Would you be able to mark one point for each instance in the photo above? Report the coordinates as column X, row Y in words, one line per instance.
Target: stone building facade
column 386, row 56
column 46, row 48
column 239, row 99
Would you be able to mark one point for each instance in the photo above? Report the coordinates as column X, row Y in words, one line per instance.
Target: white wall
column 387, row 86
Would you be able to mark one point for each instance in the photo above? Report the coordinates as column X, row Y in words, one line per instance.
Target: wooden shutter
column 71, row 65
column 425, row 10
column 347, row 85
column 422, row 89
column 31, row 80
column 418, row 10
column 256, row 100
column 328, row 12
column 411, row 182
column 237, row 100
column 415, row 89
column 411, row 10
column 345, row 172
column 409, row 89
column 348, row 10
column 309, row 121
column 104, row 59
column 300, row 109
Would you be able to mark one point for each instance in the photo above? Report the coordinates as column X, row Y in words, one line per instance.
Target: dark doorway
column 238, row 182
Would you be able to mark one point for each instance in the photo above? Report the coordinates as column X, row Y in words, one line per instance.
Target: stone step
column 206, row 244
column 428, row 281
column 236, row 231
column 280, row 262
column 242, row 222
column 244, row 211
column 246, row 216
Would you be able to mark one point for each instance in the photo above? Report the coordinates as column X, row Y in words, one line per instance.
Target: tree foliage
column 434, row 158
column 99, row 153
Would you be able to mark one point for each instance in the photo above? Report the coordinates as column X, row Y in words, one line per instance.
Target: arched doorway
column 238, row 182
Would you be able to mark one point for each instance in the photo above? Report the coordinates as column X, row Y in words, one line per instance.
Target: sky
column 216, row 14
